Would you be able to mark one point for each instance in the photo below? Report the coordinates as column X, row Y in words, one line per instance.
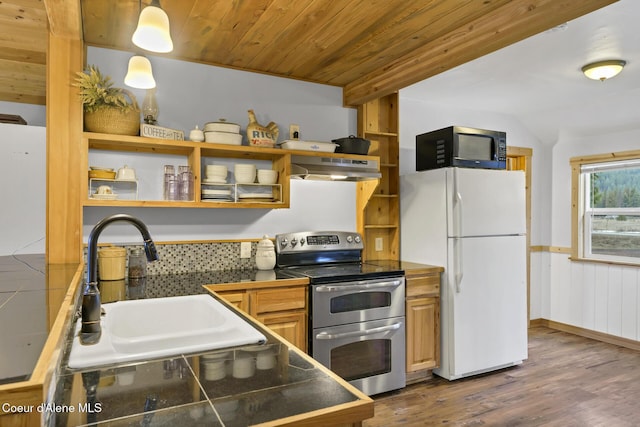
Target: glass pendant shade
column 603, row 70
column 153, row 32
column 139, row 74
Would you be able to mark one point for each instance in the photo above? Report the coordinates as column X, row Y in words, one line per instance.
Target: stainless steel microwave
column 461, row 147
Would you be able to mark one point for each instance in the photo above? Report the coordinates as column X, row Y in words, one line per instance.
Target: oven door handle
column 358, row 286
column 329, row 336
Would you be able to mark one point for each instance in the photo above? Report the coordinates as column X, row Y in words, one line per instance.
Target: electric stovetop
column 342, row 272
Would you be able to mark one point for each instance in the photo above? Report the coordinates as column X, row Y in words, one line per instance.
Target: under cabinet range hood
column 333, row 168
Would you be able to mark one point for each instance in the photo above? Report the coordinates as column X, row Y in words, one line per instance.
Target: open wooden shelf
column 379, row 205
column 195, row 154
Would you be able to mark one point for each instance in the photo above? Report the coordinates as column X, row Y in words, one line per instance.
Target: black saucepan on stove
column 352, row 145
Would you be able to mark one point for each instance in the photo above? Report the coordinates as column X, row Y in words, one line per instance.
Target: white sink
column 158, row 327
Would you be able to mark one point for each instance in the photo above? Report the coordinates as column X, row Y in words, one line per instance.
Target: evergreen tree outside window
column 609, row 214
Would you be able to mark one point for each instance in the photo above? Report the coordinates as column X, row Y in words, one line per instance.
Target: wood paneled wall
column 594, row 296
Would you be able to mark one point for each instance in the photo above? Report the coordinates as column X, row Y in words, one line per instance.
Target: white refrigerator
column 472, row 222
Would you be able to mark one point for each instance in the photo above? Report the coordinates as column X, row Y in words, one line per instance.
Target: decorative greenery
column 97, row 91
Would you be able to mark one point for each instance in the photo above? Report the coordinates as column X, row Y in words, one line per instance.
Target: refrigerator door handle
column 457, row 212
column 458, row 264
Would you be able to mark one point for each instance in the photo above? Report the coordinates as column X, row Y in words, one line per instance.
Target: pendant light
column 153, row 32
column 139, row 73
column 603, row 70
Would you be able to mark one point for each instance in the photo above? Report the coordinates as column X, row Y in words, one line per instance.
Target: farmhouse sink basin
column 158, row 327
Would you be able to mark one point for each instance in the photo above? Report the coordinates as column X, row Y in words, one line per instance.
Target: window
column 607, row 209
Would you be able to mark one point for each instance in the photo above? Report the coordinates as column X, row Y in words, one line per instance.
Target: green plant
column 96, row 91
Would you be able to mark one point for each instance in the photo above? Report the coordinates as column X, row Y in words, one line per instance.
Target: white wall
column 190, row 94
column 419, row 116
column 23, row 189
column 34, row 115
column 594, row 296
column 315, row 205
column 599, row 297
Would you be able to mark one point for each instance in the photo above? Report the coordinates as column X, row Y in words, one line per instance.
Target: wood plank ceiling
column 369, row 47
column 23, row 37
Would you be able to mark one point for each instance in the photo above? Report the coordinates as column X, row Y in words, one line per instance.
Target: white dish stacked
column 214, row 184
column 327, row 147
column 222, row 132
column 215, row 174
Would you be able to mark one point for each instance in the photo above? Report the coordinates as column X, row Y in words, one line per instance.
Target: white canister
column 244, row 365
column 266, row 359
column 266, row 254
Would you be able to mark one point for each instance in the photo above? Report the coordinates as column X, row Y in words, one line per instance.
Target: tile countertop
column 30, row 297
column 200, row 389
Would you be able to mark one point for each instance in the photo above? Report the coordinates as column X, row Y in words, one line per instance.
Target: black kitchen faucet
column 91, row 308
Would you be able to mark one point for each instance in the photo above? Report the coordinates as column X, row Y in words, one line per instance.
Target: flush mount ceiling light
column 603, row 70
column 152, row 32
column 139, row 74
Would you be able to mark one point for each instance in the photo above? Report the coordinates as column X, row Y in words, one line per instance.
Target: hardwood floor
column 567, row 381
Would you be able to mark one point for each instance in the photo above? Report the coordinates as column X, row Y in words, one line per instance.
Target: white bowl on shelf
column 244, row 167
column 267, row 176
column 245, row 178
column 244, row 173
column 213, row 171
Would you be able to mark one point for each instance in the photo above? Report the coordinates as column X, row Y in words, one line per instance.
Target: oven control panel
column 318, row 241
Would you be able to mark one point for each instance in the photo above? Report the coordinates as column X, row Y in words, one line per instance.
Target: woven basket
column 113, row 120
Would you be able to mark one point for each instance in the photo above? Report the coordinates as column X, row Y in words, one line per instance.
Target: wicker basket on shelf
column 108, row 119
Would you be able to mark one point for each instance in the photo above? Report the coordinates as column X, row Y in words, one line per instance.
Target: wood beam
column 506, row 25
column 65, row 57
column 65, row 18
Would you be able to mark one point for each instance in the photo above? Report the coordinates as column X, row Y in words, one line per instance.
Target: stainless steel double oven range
column 356, row 309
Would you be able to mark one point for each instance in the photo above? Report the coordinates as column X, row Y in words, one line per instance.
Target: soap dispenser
column 266, row 254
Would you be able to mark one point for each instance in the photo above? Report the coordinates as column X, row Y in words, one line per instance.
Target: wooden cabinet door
column 423, row 333
column 238, row 299
column 291, row 326
column 282, row 309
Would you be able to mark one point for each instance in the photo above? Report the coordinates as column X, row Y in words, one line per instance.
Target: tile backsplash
column 198, row 257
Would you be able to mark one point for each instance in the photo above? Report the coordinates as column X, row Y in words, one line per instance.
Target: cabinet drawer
column 279, row 299
column 428, row 285
column 238, row 299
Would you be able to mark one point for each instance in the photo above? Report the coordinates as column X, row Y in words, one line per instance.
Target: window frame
column 579, row 207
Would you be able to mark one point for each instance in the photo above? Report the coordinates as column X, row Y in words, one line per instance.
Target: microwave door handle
column 330, row 336
column 494, row 148
column 358, row 286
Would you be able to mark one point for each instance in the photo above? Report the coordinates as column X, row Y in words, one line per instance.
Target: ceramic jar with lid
column 196, row 134
column 111, row 263
column 266, row 254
